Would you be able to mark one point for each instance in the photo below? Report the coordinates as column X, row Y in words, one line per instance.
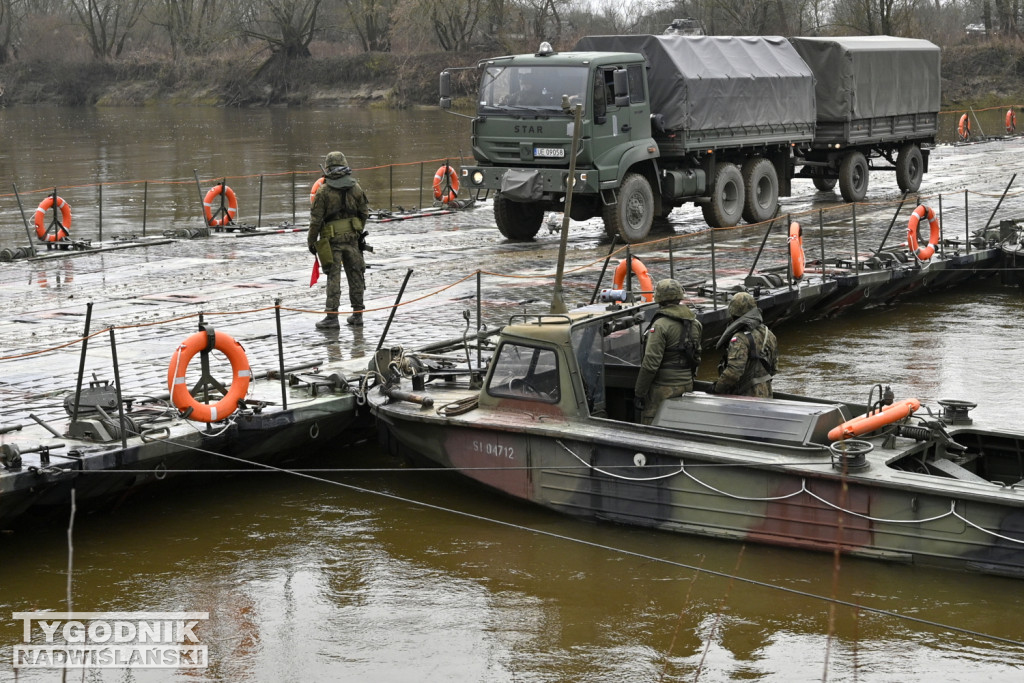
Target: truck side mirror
column 620, row 82
column 445, row 87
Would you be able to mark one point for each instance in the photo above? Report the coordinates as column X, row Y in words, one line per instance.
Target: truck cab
column 523, row 129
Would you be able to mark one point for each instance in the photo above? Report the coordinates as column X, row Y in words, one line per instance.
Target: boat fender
column 872, row 421
column 642, row 276
column 62, row 225
column 926, row 252
column 1011, row 120
column 446, row 191
column 796, row 249
column 240, row 373
column 228, row 217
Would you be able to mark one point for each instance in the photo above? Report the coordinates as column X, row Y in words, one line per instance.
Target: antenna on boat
column 557, row 303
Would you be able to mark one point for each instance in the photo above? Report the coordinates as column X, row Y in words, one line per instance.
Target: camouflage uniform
column 669, row 362
column 742, row 372
column 339, row 211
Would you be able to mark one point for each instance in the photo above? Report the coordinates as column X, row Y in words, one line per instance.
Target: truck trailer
column 724, row 122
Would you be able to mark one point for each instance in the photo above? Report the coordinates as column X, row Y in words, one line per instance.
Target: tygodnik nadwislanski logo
column 143, row 640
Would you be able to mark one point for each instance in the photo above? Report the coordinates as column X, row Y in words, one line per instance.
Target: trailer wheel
column 517, row 220
column 909, row 168
column 853, row 177
column 762, row 190
column 631, row 216
column 824, row 184
column 726, row 206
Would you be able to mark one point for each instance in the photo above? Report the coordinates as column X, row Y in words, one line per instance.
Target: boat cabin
column 585, row 364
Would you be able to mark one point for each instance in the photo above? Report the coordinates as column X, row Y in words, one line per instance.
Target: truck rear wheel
column 517, row 220
column 726, row 206
column 631, row 216
column 853, row 177
column 824, row 184
column 762, row 190
column 909, row 168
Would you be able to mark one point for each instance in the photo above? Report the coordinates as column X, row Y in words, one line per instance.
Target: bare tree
column 454, row 23
column 192, row 26
column 371, row 20
column 107, row 23
column 872, row 17
column 286, row 26
column 12, row 12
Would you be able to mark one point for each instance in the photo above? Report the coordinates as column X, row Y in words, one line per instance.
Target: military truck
column 724, row 122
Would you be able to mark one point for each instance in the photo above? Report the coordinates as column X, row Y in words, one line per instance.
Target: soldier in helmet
column 339, row 212
column 671, row 351
column 750, row 351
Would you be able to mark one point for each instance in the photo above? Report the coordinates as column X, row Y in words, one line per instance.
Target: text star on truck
column 725, row 122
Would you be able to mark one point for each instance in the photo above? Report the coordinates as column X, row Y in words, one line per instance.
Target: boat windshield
column 530, row 88
column 525, row 372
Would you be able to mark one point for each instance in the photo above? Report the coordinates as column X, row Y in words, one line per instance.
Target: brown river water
column 383, row 572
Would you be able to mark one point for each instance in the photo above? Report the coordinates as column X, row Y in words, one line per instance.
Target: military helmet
column 667, row 290
column 335, row 159
column 741, row 303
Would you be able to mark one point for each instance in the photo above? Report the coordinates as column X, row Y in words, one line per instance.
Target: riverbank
column 976, row 75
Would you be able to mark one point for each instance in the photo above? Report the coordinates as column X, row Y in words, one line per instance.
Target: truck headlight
column 478, row 177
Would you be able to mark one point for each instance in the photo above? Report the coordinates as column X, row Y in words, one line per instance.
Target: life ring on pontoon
column 1011, row 121
column 926, row 252
column 642, row 276
column 964, row 127
column 440, row 186
column 316, row 186
column 232, row 208
column 241, row 375
column 40, row 220
column 869, row 423
column 796, row 249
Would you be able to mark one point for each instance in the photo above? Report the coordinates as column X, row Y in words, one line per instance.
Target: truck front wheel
column 909, row 168
column 517, row 220
column 725, row 208
column 631, row 216
column 853, row 177
column 762, row 186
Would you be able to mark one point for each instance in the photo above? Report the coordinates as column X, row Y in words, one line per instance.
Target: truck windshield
column 517, row 88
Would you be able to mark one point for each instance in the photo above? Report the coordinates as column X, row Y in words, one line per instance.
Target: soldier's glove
column 312, row 248
column 639, row 402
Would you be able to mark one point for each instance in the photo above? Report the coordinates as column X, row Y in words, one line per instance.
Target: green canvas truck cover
column 866, row 77
column 715, row 82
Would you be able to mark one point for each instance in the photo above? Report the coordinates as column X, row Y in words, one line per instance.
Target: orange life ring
column 642, row 276
column 1011, row 121
column 872, row 421
column 452, row 184
column 240, row 373
column 232, row 209
column 63, row 224
column 796, row 249
column 926, row 252
column 964, row 127
column 316, row 186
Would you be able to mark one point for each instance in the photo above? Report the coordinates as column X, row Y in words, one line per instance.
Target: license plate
column 550, row 152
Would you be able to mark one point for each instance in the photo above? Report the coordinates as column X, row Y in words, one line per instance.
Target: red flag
column 315, row 274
